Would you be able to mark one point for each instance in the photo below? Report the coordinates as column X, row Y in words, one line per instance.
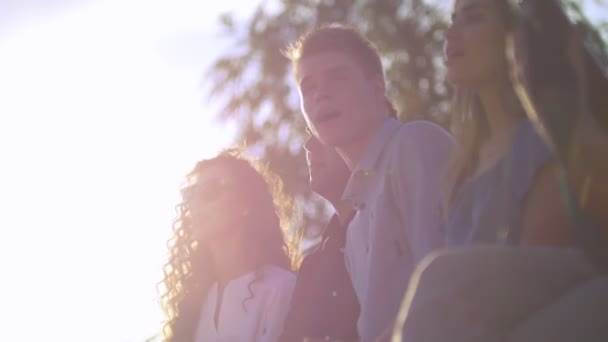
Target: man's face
column 339, row 101
column 328, row 171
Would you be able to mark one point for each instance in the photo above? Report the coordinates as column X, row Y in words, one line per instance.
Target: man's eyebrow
column 337, row 70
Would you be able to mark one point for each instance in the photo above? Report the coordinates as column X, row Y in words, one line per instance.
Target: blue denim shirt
column 396, row 191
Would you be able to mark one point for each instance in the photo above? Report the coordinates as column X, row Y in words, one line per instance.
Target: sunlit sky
column 102, row 112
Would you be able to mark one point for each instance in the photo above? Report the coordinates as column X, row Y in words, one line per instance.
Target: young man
column 395, row 169
column 324, row 306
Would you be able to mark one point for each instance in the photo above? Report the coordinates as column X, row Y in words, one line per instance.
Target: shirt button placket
column 502, row 234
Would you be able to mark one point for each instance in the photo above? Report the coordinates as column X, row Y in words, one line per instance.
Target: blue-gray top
column 490, row 207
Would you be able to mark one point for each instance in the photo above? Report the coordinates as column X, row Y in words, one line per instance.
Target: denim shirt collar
column 359, row 179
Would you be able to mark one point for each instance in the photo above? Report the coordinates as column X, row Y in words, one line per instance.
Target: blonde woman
column 499, row 178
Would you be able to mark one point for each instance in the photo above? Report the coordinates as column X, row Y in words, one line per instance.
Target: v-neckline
column 508, row 153
column 219, row 298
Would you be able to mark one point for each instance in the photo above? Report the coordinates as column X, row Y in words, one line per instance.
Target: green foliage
column 256, row 79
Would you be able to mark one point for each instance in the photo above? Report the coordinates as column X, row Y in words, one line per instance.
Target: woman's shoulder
column 276, row 274
column 530, row 154
column 266, row 277
column 529, row 143
column 269, row 280
column 276, row 282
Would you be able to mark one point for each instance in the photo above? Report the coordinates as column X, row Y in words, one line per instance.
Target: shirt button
column 334, row 294
column 327, row 338
column 502, row 233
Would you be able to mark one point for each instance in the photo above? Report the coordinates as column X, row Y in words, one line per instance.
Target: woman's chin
column 456, row 78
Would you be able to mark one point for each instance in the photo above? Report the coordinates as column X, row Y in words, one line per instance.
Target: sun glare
column 102, row 114
column 98, row 126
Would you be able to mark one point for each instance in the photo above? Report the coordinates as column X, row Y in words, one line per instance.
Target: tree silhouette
column 255, row 80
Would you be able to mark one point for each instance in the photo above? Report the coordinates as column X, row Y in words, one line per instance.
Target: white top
column 263, row 316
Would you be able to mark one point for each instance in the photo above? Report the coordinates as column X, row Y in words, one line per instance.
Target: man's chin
column 331, row 136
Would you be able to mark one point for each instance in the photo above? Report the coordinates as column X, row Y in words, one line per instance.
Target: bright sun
column 98, row 126
column 102, row 113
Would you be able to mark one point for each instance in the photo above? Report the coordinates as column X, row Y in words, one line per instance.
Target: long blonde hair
column 189, row 271
column 470, row 126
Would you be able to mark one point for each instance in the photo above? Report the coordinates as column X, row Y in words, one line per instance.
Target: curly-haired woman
column 228, row 276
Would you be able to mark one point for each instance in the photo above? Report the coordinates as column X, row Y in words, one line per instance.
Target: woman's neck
column 502, row 109
column 231, row 262
column 502, row 115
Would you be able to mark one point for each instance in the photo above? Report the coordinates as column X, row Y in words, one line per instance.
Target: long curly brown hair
column 189, row 271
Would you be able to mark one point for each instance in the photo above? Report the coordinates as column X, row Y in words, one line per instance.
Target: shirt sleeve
column 276, row 309
column 419, row 157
